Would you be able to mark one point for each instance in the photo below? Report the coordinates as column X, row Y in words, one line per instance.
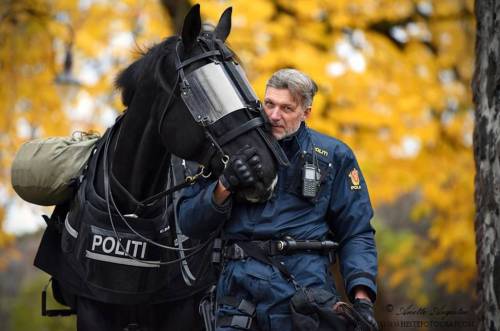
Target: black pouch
column 312, row 310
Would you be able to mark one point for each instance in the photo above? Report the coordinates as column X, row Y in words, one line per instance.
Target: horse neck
column 139, row 160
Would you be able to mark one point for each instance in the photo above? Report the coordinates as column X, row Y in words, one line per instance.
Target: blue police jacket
column 342, row 208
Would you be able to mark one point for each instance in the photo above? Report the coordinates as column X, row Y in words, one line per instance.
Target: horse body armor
column 92, row 259
column 120, row 262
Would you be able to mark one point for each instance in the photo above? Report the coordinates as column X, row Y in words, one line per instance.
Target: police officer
column 252, row 294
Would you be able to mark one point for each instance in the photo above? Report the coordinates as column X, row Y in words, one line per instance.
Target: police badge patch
column 354, row 175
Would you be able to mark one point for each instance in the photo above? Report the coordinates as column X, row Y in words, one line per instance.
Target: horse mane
column 129, row 78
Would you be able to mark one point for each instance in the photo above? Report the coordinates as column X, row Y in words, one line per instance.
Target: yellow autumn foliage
column 394, row 82
column 394, row 79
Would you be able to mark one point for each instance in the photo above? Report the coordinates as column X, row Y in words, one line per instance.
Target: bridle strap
column 153, row 199
column 181, row 65
column 225, row 51
column 249, row 125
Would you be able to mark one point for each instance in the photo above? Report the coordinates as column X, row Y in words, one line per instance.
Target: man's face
column 284, row 112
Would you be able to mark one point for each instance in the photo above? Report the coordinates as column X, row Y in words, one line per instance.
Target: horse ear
column 224, row 26
column 191, row 27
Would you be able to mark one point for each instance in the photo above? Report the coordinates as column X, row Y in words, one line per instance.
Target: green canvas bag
column 44, row 170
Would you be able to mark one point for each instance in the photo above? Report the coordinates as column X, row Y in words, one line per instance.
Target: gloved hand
column 364, row 308
column 243, row 169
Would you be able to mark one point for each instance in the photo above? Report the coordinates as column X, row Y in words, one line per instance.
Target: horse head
column 204, row 109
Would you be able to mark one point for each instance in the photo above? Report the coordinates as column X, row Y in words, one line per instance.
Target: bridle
column 214, row 49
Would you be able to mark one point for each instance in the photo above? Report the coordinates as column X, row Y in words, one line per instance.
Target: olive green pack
column 44, row 171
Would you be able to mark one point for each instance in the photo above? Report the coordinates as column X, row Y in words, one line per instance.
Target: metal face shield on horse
column 210, row 94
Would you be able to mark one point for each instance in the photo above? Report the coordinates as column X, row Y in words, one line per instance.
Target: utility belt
column 235, row 251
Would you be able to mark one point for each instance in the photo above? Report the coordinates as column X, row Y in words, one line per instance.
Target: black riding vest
column 86, row 258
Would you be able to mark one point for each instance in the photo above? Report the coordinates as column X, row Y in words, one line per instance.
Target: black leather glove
column 366, row 319
column 243, row 169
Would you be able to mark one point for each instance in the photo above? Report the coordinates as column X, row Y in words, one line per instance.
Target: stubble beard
column 285, row 132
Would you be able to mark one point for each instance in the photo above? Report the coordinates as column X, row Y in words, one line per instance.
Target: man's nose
column 274, row 114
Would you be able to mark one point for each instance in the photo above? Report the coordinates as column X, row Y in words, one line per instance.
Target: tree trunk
column 177, row 10
column 486, row 91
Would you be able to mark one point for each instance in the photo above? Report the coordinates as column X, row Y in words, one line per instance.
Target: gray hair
column 301, row 86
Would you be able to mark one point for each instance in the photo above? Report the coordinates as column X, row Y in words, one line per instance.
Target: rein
column 110, row 202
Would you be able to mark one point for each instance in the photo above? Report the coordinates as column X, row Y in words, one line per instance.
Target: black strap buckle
column 241, row 321
column 246, row 307
column 217, row 251
column 242, row 305
column 234, row 252
column 235, row 321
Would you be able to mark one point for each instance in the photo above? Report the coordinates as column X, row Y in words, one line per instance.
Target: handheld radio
column 310, row 178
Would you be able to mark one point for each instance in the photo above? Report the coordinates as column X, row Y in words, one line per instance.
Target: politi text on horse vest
column 111, row 245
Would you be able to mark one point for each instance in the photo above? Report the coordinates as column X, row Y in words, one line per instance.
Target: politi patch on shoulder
column 354, row 176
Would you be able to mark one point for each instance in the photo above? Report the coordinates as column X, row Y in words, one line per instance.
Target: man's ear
column 307, row 113
column 191, row 27
column 224, row 26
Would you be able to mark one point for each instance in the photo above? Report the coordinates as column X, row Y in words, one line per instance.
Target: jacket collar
column 293, row 144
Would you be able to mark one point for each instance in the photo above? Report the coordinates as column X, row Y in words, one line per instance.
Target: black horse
column 104, row 263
